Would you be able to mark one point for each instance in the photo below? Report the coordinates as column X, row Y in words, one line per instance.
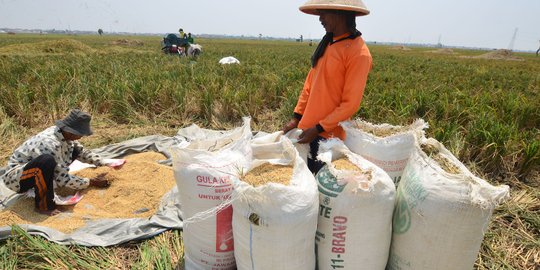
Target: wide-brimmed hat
column 77, row 122
column 314, row 6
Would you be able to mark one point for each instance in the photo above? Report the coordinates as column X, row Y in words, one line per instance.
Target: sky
column 493, row 24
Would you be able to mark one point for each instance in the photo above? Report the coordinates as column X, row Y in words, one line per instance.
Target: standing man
column 42, row 162
column 335, row 84
column 182, row 34
column 537, row 51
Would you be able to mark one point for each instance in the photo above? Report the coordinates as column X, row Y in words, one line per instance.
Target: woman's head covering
column 77, row 122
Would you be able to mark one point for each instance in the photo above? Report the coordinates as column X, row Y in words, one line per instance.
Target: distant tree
column 100, row 31
column 260, row 36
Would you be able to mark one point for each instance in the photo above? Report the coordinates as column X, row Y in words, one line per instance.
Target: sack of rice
column 387, row 146
column 211, row 140
column 204, row 184
column 275, row 209
column 441, row 213
column 356, row 201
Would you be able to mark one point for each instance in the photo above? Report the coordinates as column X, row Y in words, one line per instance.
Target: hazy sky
column 473, row 23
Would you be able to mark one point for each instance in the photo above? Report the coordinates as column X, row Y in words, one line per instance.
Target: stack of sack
column 442, row 210
column 250, row 202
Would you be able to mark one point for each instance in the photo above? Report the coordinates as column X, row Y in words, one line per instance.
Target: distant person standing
column 335, row 84
column 182, row 34
column 190, row 39
column 537, row 51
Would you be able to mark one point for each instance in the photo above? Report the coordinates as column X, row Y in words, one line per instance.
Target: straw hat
column 313, row 6
column 77, row 122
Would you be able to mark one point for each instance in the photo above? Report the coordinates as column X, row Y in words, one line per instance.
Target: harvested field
column 135, row 192
column 269, row 173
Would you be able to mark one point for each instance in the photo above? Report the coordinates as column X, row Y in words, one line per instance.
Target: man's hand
column 308, row 135
column 100, row 181
column 291, row 125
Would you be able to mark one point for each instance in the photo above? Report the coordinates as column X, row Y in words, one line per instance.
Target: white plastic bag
column 355, row 212
column 274, row 224
column 390, row 152
column 440, row 215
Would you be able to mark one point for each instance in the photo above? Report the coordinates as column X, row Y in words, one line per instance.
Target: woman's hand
column 100, row 181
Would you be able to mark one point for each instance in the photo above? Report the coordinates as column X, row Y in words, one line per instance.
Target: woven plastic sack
column 355, row 212
column 274, row 224
column 442, row 211
column 204, row 184
column 387, row 146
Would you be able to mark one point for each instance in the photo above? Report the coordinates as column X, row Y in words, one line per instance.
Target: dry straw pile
column 499, row 55
column 62, row 46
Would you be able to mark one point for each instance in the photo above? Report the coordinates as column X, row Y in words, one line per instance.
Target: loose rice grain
column 269, row 173
column 135, row 192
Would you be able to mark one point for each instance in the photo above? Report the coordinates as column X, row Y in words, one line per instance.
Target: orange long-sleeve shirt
column 334, row 88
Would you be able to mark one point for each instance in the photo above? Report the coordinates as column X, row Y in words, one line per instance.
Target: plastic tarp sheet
column 107, row 232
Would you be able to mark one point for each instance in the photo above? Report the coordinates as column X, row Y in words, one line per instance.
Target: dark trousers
column 313, row 163
column 38, row 174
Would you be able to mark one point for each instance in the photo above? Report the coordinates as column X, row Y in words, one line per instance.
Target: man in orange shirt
column 335, row 84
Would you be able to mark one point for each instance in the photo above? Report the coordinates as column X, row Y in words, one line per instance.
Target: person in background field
column 190, row 39
column 182, row 34
column 42, row 162
column 537, row 51
column 335, row 84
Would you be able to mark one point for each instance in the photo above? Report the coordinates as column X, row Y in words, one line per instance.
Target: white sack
column 391, row 152
column 229, row 60
column 283, row 222
column 440, row 218
column 355, row 212
column 204, row 184
column 212, row 140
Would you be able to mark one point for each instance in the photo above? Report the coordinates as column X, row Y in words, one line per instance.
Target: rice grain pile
column 269, row 173
column 346, row 164
column 135, row 192
column 381, row 131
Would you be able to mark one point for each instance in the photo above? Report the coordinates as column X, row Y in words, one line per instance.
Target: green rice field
column 484, row 106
